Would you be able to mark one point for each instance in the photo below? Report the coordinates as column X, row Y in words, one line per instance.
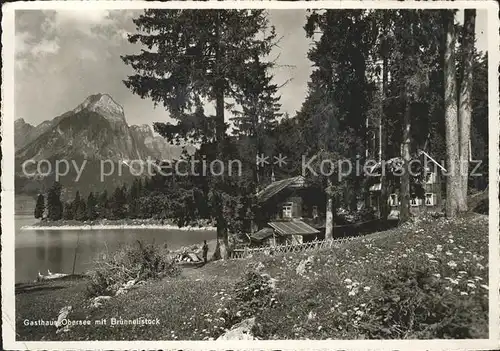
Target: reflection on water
column 42, row 250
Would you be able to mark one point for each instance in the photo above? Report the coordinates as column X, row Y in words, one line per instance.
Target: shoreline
column 116, row 225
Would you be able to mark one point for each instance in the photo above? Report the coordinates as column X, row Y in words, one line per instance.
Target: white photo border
column 7, row 181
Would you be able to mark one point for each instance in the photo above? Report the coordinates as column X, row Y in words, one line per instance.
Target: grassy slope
column 344, row 287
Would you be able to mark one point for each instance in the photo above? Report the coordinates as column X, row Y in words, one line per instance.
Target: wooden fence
column 269, row 250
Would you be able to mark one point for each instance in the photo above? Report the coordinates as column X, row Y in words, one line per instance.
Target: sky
column 61, row 57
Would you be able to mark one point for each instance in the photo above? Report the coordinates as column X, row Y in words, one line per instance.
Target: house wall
column 436, row 187
column 303, row 202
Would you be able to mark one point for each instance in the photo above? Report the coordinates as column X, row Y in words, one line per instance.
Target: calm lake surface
column 54, row 250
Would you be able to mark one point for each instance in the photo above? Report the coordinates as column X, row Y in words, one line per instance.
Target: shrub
column 415, row 304
column 482, row 207
column 252, row 294
column 134, row 262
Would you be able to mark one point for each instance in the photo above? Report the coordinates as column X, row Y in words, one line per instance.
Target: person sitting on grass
column 205, row 251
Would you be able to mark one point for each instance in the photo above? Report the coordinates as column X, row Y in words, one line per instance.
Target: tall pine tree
column 339, row 87
column 91, row 207
column 54, row 204
column 40, row 206
column 195, row 56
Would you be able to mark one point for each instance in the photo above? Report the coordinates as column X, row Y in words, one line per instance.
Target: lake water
column 54, row 250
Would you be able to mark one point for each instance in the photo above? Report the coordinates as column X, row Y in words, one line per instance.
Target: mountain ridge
column 95, row 130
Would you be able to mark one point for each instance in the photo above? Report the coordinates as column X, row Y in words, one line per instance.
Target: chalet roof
column 262, row 234
column 432, row 159
column 294, row 227
column 278, row 186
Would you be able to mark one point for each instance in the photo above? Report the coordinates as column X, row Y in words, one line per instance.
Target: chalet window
column 287, row 210
column 393, row 200
column 315, row 212
column 431, row 177
column 430, row 199
column 414, row 202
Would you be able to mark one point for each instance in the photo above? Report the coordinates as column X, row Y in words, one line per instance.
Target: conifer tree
column 465, row 102
column 257, row 117
column 453, row 179
column 91, row 207
column 117, row 203
column 68, row 213
column 40, row 206
column 54, row 204
column 79, row 208
column 335, row 111
column 199, row 56
column 103, row 204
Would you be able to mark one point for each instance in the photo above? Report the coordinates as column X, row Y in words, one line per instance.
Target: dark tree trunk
column 404, row 211
column 384, row 193
column 222, row 248
column 453, row 178
column 329, row 221
column 465, row 104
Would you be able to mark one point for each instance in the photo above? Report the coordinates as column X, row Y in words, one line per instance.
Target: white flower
column 439, row 248
column 437, row 275
column 463, row 293
column 448, row 288
column 448, row 253
column 360, row 313
column 348, row 281
column 366, row 288
column 452, row 264
column 429, row 256
column 352, row 293
column 404, row 255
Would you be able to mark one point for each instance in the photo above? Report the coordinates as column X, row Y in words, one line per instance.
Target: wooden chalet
column 288, row 212
column 427, row 195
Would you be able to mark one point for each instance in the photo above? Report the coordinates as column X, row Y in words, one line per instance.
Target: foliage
column 54, row 204
column 68, row 213
column 40, row 206
column 91, row 207
column 118, row 203
column 342, row 296
column 133, row 262
column 199, row 57
column 253, row 293
column 79, row 208
column 405, row 283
